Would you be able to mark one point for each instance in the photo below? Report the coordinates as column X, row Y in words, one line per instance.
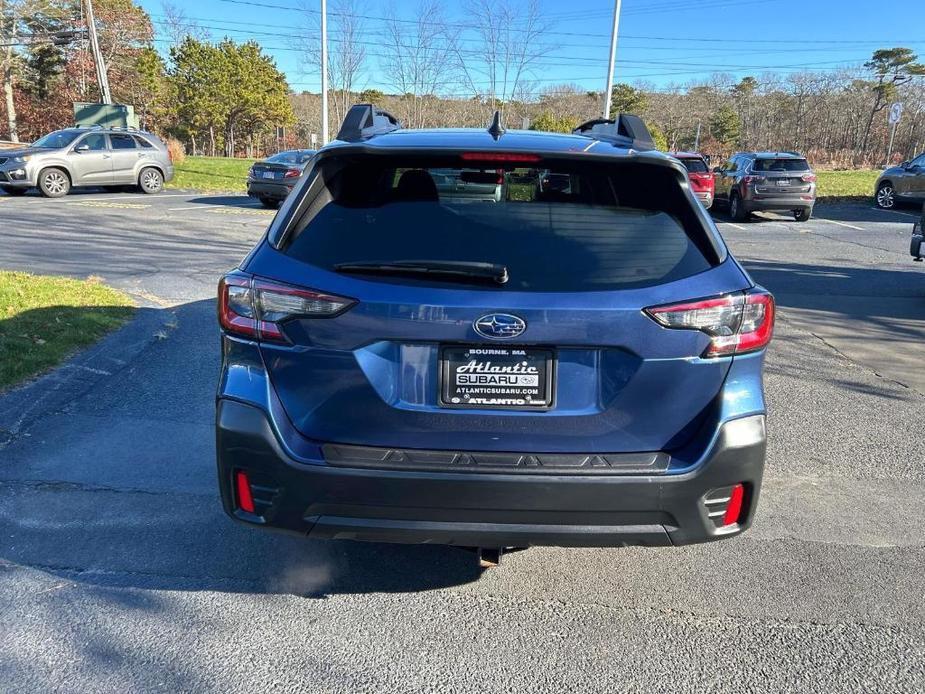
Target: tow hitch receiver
column 489, row 557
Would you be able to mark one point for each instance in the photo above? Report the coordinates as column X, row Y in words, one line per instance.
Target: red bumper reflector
column 245, row 500
column 734, row 509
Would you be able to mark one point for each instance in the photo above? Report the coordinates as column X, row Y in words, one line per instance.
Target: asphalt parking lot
column 119, row 571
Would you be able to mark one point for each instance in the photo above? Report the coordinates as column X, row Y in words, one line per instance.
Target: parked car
column 469, row 184
column 698, row 171
column 86, row 157
column 903, row 183
column 272, row 179
column 760, row 181
column 584, row 369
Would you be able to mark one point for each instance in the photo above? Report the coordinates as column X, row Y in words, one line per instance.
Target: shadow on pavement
column 113, row 483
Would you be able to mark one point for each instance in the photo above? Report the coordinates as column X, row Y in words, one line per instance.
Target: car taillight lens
column 809, row 178
column 736, row 324
column 753, row 179
column 257, row 308
column 292, row 173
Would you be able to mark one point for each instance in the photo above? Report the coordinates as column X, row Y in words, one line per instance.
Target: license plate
column 489, row 377
column 783, row 181
column 269, row 174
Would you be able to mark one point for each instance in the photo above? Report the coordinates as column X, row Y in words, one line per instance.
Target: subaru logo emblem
column 499, row 326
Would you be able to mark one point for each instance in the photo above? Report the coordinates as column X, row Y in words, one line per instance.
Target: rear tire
column 150, row 181
column 14, row 192
column 736, row 210
column 886, row 196
column 802, row 215
column 269, row 203
column 54, row 183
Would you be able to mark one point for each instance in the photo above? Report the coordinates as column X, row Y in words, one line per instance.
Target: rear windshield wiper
column 459, row 269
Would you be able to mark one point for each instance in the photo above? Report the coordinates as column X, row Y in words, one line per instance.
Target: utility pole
column 101, row 77
column 324, row 72
column 697, row 138
column 608, row 94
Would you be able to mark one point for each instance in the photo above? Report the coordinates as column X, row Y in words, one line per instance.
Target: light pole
column 608, row 94
column 324, row 72
column 101, row 76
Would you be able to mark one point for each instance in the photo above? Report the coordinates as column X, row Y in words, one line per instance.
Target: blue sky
column 661, row 41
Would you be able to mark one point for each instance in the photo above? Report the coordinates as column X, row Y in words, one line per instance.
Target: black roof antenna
column 496, row 130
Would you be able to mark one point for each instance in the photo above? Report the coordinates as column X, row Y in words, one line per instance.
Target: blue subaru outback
column 432, row 344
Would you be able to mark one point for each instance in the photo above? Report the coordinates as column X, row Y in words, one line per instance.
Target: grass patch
column 846, row 184
column 43, row 320
column 210, row 174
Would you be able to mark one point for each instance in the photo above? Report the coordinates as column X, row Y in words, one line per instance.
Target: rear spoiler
column 365, row 120
column 626, row 130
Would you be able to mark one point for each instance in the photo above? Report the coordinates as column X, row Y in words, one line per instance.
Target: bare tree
column 512, row 40
column 178, row 26
column 418, row 58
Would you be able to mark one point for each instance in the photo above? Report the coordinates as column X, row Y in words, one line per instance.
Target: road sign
column 896, row 112
column 314, row 139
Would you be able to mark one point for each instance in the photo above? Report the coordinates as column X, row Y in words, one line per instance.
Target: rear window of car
column 780, row 165
column 290, row 158
column 695, row 164
column 557, row 227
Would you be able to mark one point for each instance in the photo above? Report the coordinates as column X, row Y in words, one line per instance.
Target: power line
column 585, row 35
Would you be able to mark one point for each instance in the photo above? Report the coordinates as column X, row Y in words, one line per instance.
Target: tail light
column 753, row 179
column 808, row 178
column 736, row 324
column 292, row 173
column 245, row 499
column 257, row 308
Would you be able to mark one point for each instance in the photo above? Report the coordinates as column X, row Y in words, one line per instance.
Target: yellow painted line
column 239, row 211
column 841, row 224
column 112, row 205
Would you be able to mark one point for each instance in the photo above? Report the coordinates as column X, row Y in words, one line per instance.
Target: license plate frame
column 452, row 393
column 782, row 182
column 269, row 174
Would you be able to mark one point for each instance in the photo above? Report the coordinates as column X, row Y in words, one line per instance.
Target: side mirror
column 718, row 169
column 82, row 148
column 904, row 164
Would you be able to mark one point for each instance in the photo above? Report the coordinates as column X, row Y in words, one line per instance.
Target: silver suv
column 86, row 157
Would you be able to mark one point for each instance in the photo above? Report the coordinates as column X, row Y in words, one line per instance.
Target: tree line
column 228, row 97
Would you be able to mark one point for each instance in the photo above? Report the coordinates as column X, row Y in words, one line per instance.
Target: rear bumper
column 759, row 203
column 272, row 191
column 705, row 197
column 477, row 508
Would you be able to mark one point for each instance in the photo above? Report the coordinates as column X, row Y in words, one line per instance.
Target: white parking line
column 736, row 226
column 907, row 214
column 841, row 224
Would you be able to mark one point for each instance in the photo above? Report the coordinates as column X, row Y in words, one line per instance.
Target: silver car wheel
column 55, row 183
column 151, row 181
column 885, row 197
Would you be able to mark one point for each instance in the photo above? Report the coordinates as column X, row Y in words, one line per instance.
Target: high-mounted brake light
column 257, row 308
column 736, row 324
column 499, row 156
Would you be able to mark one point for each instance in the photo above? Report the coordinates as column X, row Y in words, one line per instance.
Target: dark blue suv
column 493, row 362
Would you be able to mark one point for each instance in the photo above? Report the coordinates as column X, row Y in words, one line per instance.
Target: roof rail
column 365, row 120
column 626, row 130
